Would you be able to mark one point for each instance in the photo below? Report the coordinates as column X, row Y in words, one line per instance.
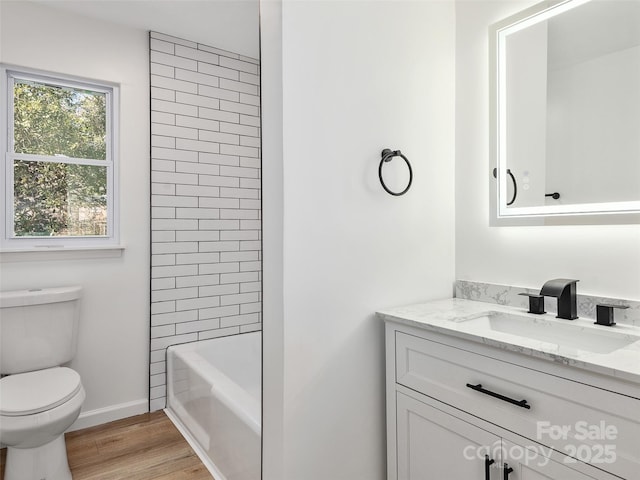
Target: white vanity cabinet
column 451, row 401
column 432, row 444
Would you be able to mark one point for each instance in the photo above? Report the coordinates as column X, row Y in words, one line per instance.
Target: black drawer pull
column 487, row 463
column 507, row 471
column 478, row 388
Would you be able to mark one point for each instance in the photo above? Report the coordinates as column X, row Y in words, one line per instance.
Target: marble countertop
column 444, row 316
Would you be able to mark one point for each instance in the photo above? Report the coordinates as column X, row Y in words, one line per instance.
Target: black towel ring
column 387, row 155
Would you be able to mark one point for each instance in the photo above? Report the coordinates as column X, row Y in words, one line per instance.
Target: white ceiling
column 231, row 25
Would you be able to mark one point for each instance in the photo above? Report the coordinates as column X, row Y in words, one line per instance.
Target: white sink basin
column 562, row 333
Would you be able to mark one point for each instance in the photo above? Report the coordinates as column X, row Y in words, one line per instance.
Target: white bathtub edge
column 202, row 455
column 238, row 402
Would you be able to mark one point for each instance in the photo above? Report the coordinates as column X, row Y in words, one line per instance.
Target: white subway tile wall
column 206, row 259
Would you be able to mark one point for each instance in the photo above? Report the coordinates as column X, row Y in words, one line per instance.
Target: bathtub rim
column 172, row 409
column 250, row 410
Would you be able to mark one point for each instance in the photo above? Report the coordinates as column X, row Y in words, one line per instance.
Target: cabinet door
column 433, row 445
column 532, row 463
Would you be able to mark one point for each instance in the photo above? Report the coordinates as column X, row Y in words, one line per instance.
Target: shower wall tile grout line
column 206, row 262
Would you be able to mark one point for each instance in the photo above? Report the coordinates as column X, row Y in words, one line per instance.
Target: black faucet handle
column 536, row 303
column 604, row 314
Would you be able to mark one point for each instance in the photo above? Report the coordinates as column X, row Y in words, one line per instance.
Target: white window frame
column 8, row 241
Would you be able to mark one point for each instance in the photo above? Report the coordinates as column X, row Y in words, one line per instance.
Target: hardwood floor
column 143, row 447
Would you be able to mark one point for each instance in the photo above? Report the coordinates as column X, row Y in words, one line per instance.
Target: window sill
column 60, row 253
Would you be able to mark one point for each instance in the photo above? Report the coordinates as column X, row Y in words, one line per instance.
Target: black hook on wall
column 387, row 156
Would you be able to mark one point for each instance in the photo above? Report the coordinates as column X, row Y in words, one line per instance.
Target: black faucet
column 564, row 289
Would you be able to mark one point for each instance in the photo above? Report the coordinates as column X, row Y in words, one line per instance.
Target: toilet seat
column 34, row 392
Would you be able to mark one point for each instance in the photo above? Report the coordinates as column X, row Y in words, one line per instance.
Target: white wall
column 114, row 331
column 594, row 157
column 272, row 241
column 606, row 259
column 356, row 77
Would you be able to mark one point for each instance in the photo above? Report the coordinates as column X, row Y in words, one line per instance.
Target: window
column 59, row 161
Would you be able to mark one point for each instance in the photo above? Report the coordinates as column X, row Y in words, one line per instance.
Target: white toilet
column 39, row 398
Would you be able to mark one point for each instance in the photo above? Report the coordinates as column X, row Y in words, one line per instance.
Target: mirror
column 566, row 109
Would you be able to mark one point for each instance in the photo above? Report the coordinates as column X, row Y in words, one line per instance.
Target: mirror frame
column 598, row 213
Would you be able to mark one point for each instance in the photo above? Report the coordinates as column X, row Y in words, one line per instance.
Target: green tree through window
column 59, row 198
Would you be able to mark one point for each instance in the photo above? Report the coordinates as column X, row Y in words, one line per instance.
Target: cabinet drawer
column 593, row 425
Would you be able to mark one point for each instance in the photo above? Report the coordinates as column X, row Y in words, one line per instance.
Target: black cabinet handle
column 507, row 471
column 519, row 403
column 487, row 463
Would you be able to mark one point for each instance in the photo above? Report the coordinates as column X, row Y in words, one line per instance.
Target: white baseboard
column 91, row 418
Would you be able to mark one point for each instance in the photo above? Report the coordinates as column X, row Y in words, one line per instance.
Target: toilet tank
column 38, row 328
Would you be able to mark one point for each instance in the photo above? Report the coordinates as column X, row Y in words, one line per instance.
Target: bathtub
column 214, row 398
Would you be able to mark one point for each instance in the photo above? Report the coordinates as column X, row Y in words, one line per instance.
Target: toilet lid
column 34, row 392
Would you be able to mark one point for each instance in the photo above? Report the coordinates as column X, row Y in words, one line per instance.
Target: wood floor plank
column 144, row 447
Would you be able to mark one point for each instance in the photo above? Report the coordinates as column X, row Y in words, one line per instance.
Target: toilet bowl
column 35, row 410
column 39, row 397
